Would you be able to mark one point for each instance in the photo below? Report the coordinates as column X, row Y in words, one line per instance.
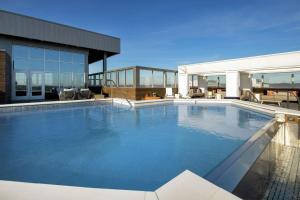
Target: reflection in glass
column 21, row 84
column 129, row 78
column 36, row 53
column 36, row 84
column 20, row 52
column 113, row 78
column 170, row 79
column 276, row 80
column 66, row 80
column 51, row 81
column 51, row 55
column 121, row 78
column 79, row 80
column 37, row 65
column 23, row 64
column 145, row 78
column 66, row 56
column 216, row 81
column 78, row 58
column 158, row 79
column 52, row 66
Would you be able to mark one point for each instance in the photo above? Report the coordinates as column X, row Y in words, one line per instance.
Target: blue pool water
column 113, row 147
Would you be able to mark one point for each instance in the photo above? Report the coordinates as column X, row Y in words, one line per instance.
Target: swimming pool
column 106, row 146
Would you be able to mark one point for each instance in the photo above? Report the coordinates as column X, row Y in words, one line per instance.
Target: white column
column 183, row 83
column 233, row 82
column 202, row 84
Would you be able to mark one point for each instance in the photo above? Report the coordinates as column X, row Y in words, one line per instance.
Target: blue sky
column 168, row 33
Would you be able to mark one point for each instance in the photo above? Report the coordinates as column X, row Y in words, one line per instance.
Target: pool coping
column 186, row 185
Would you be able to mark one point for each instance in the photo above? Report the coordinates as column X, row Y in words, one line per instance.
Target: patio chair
column 84, row 94
column 196, row 94
column 67, row 94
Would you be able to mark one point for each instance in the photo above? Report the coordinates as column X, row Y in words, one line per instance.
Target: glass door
column 36, row 86
column 28, row 86
column 21, row 86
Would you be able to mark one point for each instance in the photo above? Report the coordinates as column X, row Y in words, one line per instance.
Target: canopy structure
column 238, row 71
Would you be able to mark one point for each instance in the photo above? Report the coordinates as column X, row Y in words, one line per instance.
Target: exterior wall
column 135, row 93
column 5, row 92
column 183, row 83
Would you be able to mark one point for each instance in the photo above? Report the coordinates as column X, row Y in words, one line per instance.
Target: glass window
column 78, row 58
column 170, row 79
column 66, row 56
column 51, row 81
column 190, row 80
column 66, row 80
column 79, row 80
column 37, row 65
column 145, row 78
column 37, row 53
column 216, row 81
column 129, row 78
column 113, row 78
column 195, row 80
column 276, row 80
column 176, row 79
column 20, row 52
column 66, row 67
column 52, row 66
column 21, row 64
column 158, row 79
column 78, row 67
column 121, row 80
column 51, row 54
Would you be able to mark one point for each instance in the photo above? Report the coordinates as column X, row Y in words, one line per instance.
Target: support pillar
column 104, row 69
column 233, row 82
column 183, row 83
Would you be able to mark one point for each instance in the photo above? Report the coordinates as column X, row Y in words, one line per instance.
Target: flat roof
column 139, row 67
column 278, row 62
column 22, row 26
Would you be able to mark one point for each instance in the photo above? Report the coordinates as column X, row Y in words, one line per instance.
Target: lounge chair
column 67, row 94
column 196, row 93
column 84, row 94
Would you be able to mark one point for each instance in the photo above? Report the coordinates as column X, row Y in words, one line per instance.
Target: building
column 264, row 73
column 38, row 57
column 135, row 82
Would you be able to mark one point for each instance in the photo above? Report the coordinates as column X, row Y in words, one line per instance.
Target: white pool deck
column 185, row 186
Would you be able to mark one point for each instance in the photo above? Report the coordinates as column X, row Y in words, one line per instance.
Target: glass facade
column 216, row 81
column 276, row 80
column 170, row 79
column 158, row 79
column 60, row 69
column 145, row 78
column 193, row 80
column 129, row 78
column 139, row 77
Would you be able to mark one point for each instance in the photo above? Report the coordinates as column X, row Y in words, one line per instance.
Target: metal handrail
column 252, row 97
column 122, row 92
